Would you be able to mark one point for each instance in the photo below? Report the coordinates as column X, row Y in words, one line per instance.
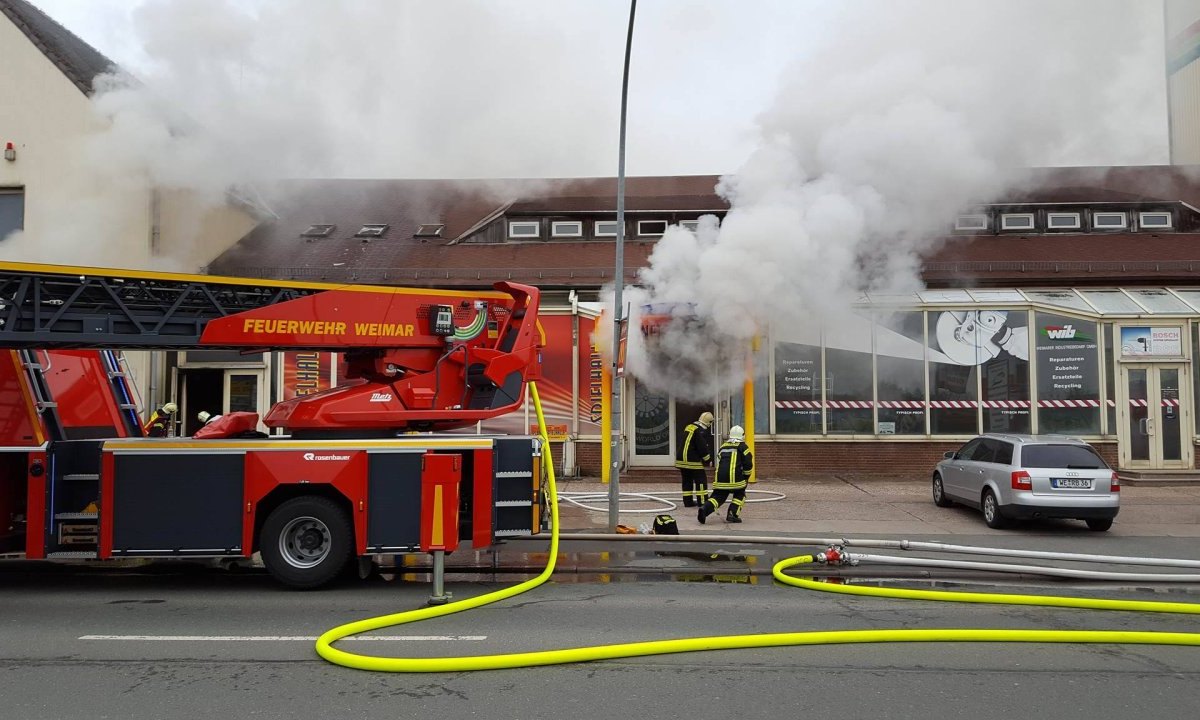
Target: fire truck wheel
column 306, row 542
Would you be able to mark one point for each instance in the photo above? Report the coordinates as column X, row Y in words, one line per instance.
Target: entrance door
column 1152, row 429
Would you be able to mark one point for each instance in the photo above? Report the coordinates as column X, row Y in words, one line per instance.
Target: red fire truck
column 364, row 468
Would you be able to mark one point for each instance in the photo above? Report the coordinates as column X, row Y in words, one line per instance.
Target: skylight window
column 650, row 228
column 318, row 231
column 689, row 224
column 1016, row 221
column 977, row 221
column 1062, row 221
column 371, row 230
column 429, row 230
column 523, row 230
column 566, row 229
column 1109, row 221
column 1154, row 220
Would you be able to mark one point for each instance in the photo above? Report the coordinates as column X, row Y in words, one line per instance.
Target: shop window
column 1110, row 381
column 848, row 394
column 797, row 389
column 955, row 343
column 900, row 373
column 1068, row 371
column 1004, row 373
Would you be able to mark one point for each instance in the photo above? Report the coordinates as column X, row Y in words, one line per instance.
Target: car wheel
column 1099, row 524
column 991, row 511
column 939, row 492
column 306, row 542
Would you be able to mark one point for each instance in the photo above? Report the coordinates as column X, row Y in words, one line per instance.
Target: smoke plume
column 911, row 113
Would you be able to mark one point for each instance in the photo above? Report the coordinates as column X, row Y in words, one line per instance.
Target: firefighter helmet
column 706, row 419
column 737, row 434
column 203, row 416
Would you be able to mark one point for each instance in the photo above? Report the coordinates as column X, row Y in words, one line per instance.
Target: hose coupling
column 835, row 555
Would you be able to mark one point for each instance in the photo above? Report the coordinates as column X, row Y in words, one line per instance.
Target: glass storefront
column 945, row 368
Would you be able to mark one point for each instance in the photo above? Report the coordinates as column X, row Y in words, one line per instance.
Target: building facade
column 1072, row 306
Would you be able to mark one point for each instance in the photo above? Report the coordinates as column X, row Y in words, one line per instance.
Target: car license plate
column 1074, row 483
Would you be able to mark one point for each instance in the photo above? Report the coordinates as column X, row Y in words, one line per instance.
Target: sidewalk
column 852, row 506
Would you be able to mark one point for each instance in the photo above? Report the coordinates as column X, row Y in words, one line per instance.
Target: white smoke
column 913, row 112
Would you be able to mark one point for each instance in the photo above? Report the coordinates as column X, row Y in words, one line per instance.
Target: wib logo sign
column 1064, row 332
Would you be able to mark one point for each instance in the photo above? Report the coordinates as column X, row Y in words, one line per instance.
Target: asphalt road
column 184, row 643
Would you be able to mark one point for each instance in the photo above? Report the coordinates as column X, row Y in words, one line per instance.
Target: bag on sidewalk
column 665, row 525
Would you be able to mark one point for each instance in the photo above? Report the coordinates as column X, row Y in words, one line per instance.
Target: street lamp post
column 614, row 487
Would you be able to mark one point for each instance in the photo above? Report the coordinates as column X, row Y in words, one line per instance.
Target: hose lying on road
column 581, row 500
column 326, row 650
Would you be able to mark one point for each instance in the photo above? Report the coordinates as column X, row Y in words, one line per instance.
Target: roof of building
column 276, row 249
column 80, row 62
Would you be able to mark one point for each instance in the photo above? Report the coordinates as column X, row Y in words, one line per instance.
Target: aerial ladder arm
column 418, row 359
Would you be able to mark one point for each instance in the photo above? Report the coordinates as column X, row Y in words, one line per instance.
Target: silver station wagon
column 1018, row 477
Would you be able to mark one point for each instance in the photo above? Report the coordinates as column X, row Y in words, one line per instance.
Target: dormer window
column 1109, row 220
column 651, row 228
column 1016, row 221
column 1154, row 220
column 524, row 230
column 371, row 230
column 1063, row 221
column 605, row 228
column 974, row 221
column 315, row 231
column 566, row 229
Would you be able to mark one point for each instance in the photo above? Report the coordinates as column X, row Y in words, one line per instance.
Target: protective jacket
column 156, row 425
column 695, row 449
column 734, row 463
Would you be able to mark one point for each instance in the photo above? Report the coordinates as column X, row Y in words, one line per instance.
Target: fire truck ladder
column 46, row 407
column 50, row 306
column 123, row 391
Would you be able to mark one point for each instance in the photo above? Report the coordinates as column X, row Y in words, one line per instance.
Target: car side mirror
column 949, row 454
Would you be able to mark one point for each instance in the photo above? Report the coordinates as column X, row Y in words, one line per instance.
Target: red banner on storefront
column 305, row 373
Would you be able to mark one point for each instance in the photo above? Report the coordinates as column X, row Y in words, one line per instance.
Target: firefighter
column 693, row 455
column 160, row 419
column 734, row 464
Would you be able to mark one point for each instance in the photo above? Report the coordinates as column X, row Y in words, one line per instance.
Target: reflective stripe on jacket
column 734, row 463
column 695, row 451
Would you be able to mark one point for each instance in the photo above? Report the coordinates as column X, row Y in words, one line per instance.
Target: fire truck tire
column 306, row 542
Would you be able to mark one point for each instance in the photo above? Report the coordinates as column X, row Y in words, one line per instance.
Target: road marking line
column 274, row 638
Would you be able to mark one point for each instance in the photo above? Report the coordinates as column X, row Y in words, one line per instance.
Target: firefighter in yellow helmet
column 159, row 420
column 734, row 464
column 692, row 456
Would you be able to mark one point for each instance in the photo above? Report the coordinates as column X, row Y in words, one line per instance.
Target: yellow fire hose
column 728, row 642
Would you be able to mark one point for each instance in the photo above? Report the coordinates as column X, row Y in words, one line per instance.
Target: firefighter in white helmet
column 693, row 455
column 734, row 464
